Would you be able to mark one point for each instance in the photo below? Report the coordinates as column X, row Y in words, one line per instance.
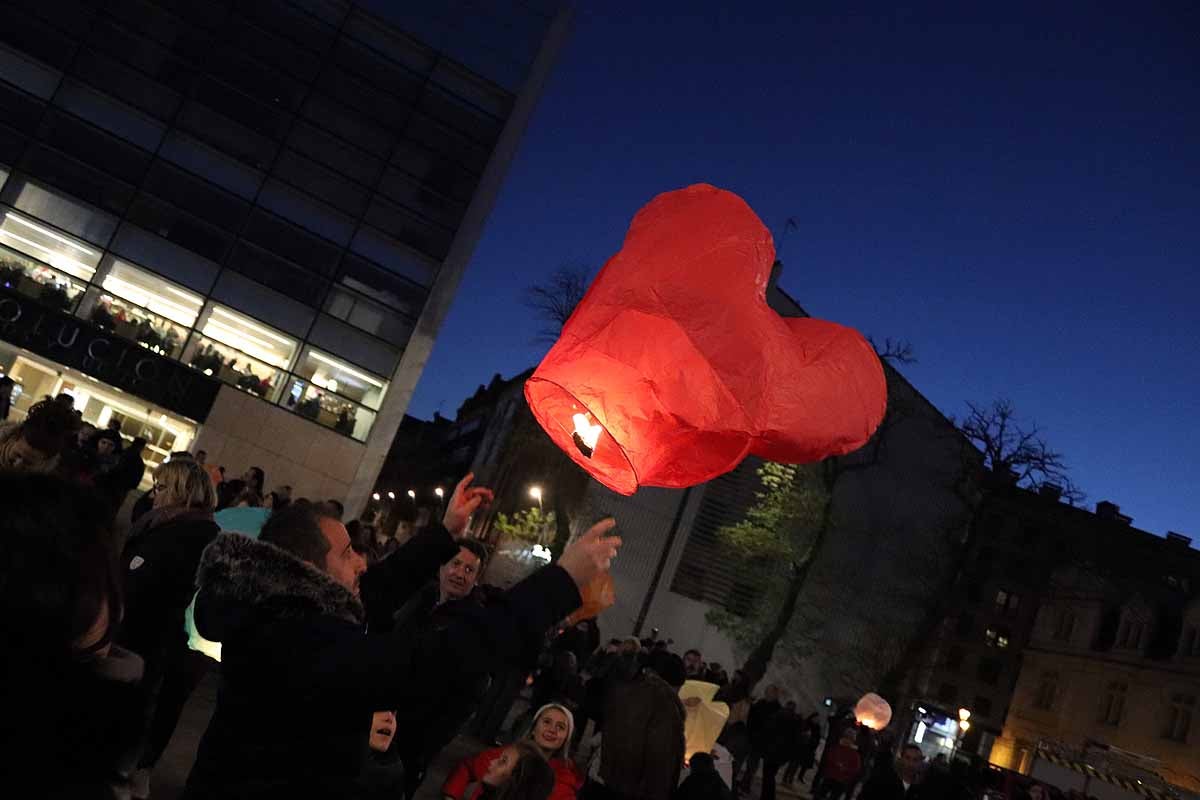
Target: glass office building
column 256, row 197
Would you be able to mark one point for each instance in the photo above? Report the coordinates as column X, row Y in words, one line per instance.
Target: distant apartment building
column 1114, row 659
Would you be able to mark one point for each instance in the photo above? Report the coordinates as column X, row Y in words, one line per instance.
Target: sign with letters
column 117, row 361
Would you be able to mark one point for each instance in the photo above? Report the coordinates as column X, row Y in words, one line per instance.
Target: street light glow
column 412, row 495
column 966, row 726
column 964, row 714
column 536, row 493
column 438, row 491
column 375, row 496
column 391, row 495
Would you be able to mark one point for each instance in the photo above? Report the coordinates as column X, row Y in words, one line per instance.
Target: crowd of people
column 349, row 658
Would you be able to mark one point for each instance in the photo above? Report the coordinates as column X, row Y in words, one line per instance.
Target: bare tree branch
column 897, row 351
column 1016, row 451
column 554, row 300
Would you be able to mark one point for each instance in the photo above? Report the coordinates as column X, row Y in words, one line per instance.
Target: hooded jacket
column 300, row 677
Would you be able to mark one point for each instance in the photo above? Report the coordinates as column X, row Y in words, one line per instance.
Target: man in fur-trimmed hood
column 300, row 677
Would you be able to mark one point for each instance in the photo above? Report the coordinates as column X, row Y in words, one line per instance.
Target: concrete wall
column 243, row 431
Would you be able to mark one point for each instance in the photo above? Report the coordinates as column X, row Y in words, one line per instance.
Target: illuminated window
column 60, row 251
column 997, row 637
column 241, row 351
column 337, row 376
column 248, row 336
column 326, row 407
column 143, row 307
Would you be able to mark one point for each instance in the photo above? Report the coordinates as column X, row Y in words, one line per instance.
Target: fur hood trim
column 239, row 575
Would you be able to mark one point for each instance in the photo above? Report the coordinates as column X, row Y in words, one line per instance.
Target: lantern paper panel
column 873, row 711
column 673, row 368
column 705, row 717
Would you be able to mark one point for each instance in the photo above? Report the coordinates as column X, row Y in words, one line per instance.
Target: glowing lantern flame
column 586, row 435
column 873, row 711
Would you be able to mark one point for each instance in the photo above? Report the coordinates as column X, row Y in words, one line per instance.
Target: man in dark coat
column 757, row 725
column 642, row 752
column 896, row 780
column 301, row 678
column 434, row 608
column 703, row 782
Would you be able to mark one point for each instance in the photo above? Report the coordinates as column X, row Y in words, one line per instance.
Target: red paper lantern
column 673, row 368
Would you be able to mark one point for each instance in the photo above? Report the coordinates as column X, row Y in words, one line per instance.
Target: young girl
column 550, row 736
column 520, row 772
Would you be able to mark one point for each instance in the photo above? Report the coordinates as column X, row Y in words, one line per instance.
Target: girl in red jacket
column 551, row 734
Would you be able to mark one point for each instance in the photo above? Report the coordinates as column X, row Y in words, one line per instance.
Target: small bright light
column 964, row 725
column 438, row 491
column 412, row 495
column 586, row 435
column 920, row 734
column 540, row 552
column 536, row 493
column 391, row 495
column 964, row 714
column 375, row 496
column 921, row 710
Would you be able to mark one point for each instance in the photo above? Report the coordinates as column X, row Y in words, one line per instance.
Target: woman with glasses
column 159, row 570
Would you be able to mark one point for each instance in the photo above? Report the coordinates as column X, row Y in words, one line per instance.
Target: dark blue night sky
column 1011, row 187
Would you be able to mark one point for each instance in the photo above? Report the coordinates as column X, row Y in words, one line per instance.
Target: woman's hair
column 563, row 751
column 185, row 483
column 531, row 779
column 49, row 426
column 260, row 478
column 57, row 570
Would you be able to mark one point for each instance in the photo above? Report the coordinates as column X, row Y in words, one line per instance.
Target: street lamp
column 440, row 494
column 375, row 497
column 536, row 493
column 391, row 495
column 964, row 725
column 412, row 495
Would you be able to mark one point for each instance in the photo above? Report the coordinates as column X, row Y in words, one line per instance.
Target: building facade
column 1114, row 660
column 236, row 226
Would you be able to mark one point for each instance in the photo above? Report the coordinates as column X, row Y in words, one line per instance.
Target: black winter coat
column 159, row 567
column 300, row 678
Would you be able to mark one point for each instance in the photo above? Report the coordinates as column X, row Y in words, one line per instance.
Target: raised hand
column 463, row 503
column 590, row 554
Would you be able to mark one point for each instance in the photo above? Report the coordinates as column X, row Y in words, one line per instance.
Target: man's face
column 457, row 577
column 692, row 662
column 104, row 446
column 383, row 728
column 23, row 455
column 910, row 762
column 403, row 529
column 341, row 562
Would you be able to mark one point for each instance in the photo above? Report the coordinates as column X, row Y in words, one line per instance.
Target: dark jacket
column 72, row 730
column 390, row 583
column 643, row 748
column 885, row 784
column 301, row 678
column 703, row 785
column 758, row 722
column 438, row 717
column 159, row 568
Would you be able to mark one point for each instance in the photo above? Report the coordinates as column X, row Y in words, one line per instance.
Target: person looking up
column 287, row 611
column 551, row 734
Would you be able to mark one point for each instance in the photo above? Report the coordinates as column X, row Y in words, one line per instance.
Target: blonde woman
column 159, row 570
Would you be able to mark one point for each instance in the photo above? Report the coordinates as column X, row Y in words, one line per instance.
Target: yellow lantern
column 705, row 718
column 873, row 712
